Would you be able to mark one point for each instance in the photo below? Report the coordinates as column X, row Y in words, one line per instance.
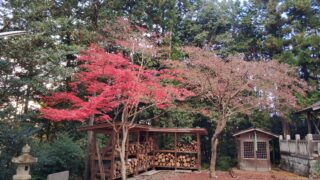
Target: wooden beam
column 91, row 154
column 100, row 163
column 309, row 123
column 199, row 151
column 112, row 165
column 137, row 127
column 175, row 150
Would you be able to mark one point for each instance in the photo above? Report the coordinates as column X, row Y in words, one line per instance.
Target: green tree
column 248, row 30
column 42, row 60
column 63, row 153
column 302, row 23
column 209, row 24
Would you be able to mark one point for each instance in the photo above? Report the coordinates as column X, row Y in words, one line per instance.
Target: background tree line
column 44, row 60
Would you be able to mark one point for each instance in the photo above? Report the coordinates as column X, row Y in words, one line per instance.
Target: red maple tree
column 109, row 83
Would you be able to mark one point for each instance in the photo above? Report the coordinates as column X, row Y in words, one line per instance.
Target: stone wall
column 301, row 157
column 297, row 165
column 300, row 165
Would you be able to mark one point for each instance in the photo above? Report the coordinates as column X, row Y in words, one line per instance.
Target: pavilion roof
column 313, row 108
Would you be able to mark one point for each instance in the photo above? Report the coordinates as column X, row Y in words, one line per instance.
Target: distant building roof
column 314, row 107
column 255, row 129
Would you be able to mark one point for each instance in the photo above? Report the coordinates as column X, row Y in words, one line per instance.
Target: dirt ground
column 222, row 175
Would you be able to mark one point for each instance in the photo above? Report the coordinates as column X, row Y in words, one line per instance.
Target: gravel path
column 222, row 175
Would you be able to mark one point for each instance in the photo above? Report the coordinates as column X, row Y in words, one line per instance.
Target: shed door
column 255, row 155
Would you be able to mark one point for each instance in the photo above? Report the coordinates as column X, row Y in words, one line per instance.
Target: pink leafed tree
column 110, row 86
column 237, row 86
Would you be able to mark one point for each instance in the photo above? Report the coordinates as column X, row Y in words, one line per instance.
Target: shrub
column 59, row 155
column 225, row 163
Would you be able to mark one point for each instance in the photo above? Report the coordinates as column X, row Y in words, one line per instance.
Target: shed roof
column 108, row 126
column 314, row 107
column 255, row 129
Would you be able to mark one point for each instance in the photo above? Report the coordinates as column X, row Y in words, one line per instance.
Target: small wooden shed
column 253, row 149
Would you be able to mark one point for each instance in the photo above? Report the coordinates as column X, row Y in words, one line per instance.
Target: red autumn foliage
column 110, row 80
column 111, row 83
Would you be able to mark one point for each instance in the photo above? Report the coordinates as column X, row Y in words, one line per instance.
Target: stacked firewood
column 144, row 148
column 148, row 146
column 164, row 159
column 190, row 147
column 117, row 171
column 144, row 162
column 133, row 148
column 131, row 165
column 186, row 161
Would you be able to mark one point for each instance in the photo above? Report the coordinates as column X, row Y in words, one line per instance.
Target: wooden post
column 100, row 162
column 136, row 171
column 91, row 157
column 198, row 151
column 309, row 123
column 310, row 148
column 297, row 137
column 147, row 136
column 112, row 170
column 273, row 151
column 268, row 154
column 175, row 150
column 154, row 149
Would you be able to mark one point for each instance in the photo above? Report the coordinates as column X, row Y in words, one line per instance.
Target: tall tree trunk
column 170, row 44
column 214, row 145
column 95, row 15
column 86, row 173
column 125, row 131
column 27, row 99
column 285, row 127
column 48, row 131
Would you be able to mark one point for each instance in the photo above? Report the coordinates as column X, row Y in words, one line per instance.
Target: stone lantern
column 23, row 164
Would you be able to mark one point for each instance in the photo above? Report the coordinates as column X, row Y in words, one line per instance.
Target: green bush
column 316, row 169
column 205, row 165
column 12, row 139
column 61, row 154
column 225, row 163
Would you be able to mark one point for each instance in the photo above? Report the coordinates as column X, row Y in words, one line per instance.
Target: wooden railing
column 307, row 147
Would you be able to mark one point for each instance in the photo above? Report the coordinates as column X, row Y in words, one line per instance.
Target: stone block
column 59, row 176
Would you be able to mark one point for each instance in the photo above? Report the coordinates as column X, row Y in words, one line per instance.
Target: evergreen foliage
column 62, row 154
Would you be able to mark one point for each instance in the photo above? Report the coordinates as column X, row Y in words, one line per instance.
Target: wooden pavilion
column 300, row 154
column 253, row 149
column 312, row 119
column 180, row 149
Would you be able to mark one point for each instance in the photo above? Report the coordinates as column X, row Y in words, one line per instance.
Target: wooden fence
column 308, row 147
